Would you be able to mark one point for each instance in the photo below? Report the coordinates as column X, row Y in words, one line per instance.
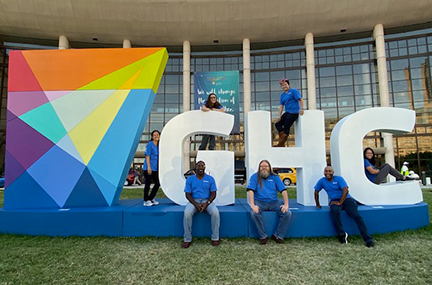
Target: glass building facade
column 346, row 82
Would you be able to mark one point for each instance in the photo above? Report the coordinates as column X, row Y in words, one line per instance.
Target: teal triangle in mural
column 45, row 120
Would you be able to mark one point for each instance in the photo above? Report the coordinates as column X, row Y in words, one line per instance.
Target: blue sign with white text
column 225, row 84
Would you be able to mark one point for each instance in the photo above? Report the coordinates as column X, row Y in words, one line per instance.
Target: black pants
column 286, row 121
column 350, row 206
column 385, row 170
column 148, row 179
column 205, row 140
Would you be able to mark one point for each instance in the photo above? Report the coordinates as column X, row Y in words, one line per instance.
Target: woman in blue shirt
column 150, row 167
column 292, row 101
column 378, row 175
column 210, row 105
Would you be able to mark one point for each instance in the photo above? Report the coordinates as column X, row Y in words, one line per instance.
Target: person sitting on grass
column 262, row 189
column 340, row 199
column 200, row 192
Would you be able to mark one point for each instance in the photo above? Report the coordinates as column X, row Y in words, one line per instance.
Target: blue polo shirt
column 333, row 188
column 290, row 100
column 220, row 106
column 200, row 189
column 153, row 152
column 270, row 187
column 369, row 175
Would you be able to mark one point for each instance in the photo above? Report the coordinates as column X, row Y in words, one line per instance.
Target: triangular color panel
column 77, row 105
column 25, row 192
column 21, row 102
column 10, row 116
column 53, row 95
column 117, row 79
column 107, row 189
column 25, row 143
column 45, row 120
column 49, row 171
column 86, row 193
column 152, row 72
column 13, row 170
column 87, row 135
column 67, row 145
column 122, row 138
column 72, row 69
column 21, row 77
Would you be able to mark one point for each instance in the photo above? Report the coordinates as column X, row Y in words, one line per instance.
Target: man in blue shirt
column 292, row 101
column 200, row 191
column 262, row 188
column 340, row 199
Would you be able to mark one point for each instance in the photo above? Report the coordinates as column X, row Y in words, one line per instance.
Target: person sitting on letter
column 340, row 199
column 200, row 191
column 262, row 188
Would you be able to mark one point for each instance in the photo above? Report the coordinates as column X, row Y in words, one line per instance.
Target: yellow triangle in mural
column 152, row 65
column 152, row 72
column 88, row 134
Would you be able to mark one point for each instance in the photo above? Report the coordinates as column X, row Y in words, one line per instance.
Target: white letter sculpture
column 308, row 157
column 219, row 163
column 346, row 145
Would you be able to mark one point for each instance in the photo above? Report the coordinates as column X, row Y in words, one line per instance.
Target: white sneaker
column 155, row 202
column 148, row 203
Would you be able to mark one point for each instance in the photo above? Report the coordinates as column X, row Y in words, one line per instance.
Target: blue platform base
column 130, row 218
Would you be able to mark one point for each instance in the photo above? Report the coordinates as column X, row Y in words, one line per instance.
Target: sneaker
column 215, row 243
column 155, row 202
column 263, row 241
column 370, row 244
column 148, row 203
column 343, row 238
column 276, row 239
column 186, row 244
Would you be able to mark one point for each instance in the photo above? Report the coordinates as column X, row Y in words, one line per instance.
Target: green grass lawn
column 398, row 258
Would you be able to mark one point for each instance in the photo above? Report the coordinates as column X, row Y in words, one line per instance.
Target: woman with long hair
column 378, row 175
column 210, row 105
column 150, row 167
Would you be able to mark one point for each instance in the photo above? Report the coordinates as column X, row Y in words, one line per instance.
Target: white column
column 186, row 99
column 246, row 77
column 63, row 42
column 310, row 68
column 378, row 35
column 127, row 44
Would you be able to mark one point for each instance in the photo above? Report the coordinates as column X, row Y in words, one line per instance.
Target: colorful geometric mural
column 74, row 121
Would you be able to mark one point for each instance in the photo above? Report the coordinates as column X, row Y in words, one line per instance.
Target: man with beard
column 200, row 191
column 262, row 188
column 337, row 190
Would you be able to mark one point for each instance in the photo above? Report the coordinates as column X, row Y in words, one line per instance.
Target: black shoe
column 343, row 238
column 370, row 244
column 263, row 241
column 276, row 239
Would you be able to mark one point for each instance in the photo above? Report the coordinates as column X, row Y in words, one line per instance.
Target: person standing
column 210, row 105
column 263, row 188
column 200, row 191
column 150, row 167
column 292, row 101
column 340, row 199
column 405, row 169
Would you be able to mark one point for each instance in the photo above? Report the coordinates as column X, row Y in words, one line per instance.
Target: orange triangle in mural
column 72, row 69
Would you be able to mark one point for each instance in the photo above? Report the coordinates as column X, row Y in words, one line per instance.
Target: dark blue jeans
column 284, row 218
column 350, row 206
column 285, row 123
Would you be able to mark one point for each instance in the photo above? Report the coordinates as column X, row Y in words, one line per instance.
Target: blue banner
column 225, row 84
